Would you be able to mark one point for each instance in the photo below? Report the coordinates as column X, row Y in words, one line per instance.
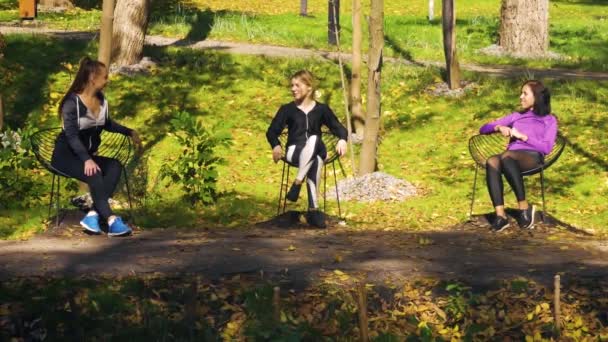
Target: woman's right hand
column 277, row 153
column 504, row 130
column 90, row 167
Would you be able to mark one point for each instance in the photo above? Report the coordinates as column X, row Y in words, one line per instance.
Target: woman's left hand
column 136, row 140
column 341, row 147
column 518, row 135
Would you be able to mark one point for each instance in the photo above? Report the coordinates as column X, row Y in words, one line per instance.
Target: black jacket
column 300, row 126
column 81, row 133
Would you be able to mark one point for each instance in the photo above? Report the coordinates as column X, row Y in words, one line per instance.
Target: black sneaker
column 316, row 218
column 499, row 224
column 294, row 192
column 525, row 219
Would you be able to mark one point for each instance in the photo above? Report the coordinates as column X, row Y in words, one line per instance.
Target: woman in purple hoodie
column 532, row 133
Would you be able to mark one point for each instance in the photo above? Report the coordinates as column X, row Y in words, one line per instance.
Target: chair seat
column 114, row 145
column 330, row 142
column 483, row 146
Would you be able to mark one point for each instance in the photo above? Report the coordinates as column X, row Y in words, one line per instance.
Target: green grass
column 578, row 29
column 424, row 138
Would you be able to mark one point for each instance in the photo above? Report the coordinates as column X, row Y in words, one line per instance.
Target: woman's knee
column 494, row 162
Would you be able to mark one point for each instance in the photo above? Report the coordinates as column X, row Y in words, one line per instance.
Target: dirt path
column 279, row 51
column 468, row 252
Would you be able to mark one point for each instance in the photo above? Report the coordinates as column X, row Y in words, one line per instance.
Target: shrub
column 195, row 168
column 17, row 179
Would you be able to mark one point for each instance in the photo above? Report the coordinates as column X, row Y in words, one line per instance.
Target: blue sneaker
column 118, row 228
column 91, row 224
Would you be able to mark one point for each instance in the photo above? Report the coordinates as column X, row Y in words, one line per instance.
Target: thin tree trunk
column 355, row 84
column 105, row 34
column 1, row 113
column 349, row 126
column 2, row 46
column 524, row 27
column 304, row 8
column 333, row 21
column 431, row 9
column 129, row 31
column 372, row 123
column 449, row 44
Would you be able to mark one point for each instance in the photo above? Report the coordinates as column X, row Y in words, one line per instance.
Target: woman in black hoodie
column 305, row 149
column 84, row 113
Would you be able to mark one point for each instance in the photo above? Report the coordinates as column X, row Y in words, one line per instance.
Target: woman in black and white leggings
column 305, row 149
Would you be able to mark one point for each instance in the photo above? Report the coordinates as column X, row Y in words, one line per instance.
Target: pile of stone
column 143, row 67
column 499, row 51
column 442, row 89
column 377, row 186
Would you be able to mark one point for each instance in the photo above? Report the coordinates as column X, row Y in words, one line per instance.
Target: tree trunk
column 355, row 84
column 372, row 122
column 524, row 27
column 105, row 34
column 129, row 31
column 449, row 44
column 304, row 8
column 1, row 113
column 2, row 46
column 431, row 9
column 333, row 22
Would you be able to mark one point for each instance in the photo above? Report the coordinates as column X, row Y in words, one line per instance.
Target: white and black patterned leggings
column 308, row 158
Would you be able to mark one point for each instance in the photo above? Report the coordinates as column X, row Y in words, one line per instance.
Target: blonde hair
column 307, row 78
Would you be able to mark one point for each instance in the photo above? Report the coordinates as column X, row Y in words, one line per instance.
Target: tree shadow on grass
column 31, row 61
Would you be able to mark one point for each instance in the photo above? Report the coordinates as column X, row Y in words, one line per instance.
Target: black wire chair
column 483, row 146
column 114, row 145
column 330, row 142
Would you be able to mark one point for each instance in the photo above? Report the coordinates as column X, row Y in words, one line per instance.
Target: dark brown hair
column 86, row 68
column 542, row 97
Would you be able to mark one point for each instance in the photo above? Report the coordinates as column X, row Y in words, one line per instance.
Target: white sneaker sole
column 88, row 228
column 531, row 225
column 120, row 234
column 501, row 228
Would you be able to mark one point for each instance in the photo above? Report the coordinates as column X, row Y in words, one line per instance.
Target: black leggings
column 309, row 160
column 511, row 164
column 102, row 184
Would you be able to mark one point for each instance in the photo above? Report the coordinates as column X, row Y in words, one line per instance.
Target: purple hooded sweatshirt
column 541, row 130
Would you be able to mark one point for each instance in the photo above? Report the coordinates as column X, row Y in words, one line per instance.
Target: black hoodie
column 300, row 126
column 81, row 132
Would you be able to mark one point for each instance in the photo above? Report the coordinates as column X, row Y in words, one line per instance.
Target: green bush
column 195, row 169
column 17, row 179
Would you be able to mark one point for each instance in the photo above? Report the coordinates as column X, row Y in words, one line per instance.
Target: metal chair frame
column 483, row 146
column 332, row 158
column 114, row 145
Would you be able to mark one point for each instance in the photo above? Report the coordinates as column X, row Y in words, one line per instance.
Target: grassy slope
column 424, row 138
column 579, row 29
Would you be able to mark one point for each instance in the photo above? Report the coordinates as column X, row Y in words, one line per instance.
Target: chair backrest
column 329, row 140
column 483, row 146
column 113, row 145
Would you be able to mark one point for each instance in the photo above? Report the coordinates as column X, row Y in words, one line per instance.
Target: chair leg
column 473, row 194
column 542, row 191
column 286, row 188
column 124, row 171
column 324, row 188
column 342, row 168
column 281, row 190
column 336, row 186
column 58, row 203
column 52, row 195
